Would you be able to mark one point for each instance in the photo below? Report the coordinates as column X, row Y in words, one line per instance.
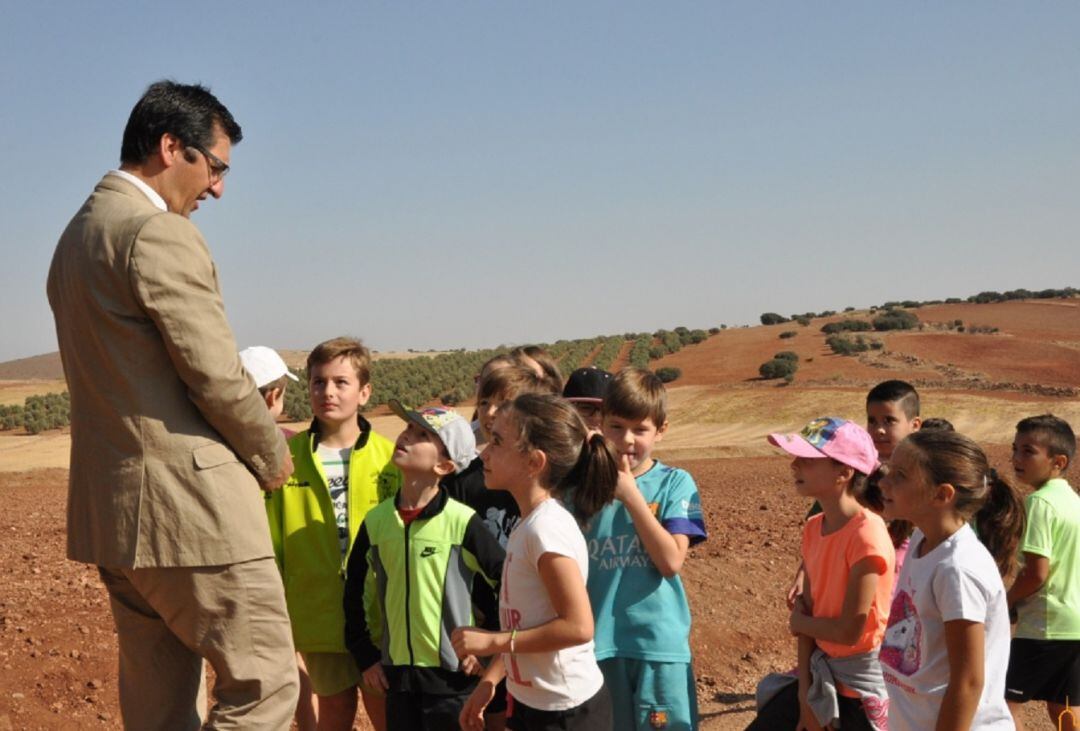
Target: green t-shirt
column 1053, row 531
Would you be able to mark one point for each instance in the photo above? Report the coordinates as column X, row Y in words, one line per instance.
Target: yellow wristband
column 513, row 634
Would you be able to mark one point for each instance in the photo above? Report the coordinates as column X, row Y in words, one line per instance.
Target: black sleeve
column 357, row 637
column 485, row 547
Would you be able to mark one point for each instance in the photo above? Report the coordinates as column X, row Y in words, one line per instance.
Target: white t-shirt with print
column 548, row 681
column 335, row 464
column 956, row 580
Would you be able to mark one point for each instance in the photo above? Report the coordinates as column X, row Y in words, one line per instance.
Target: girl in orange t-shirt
column 840, row 616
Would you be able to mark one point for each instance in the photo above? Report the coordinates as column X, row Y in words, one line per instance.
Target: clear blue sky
column 468, row 174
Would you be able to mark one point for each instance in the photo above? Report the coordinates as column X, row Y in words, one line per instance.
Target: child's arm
column 357, row 634
column 964, row 642
column 471, row 717
column 1031, row 578
column 858, row 595
column 807, row 719
column 573, row 624
column 667, row 551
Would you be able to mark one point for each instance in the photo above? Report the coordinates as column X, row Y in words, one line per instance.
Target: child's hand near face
column 626, row 486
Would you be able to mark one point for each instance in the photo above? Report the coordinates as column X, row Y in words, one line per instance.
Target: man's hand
column 282, row 476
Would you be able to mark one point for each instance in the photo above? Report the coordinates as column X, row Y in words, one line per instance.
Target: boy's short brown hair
column 637, row 394
column 1053, row 433
column 350, row 348
column 509, row 382
column 266, row 388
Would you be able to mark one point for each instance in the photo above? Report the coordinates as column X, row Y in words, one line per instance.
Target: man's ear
column 1059, row 462
column 916, row 423
column 170, row 149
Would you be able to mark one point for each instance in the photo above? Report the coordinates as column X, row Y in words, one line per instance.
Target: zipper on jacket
column 408, row 608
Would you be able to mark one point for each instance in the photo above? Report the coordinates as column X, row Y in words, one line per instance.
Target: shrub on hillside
column 846, row 345
column 788, row 355
column 772, row 318
column 788, row 334
column 668, row 374
column 896, row 320
column 848, row 325
column 849, row 309
column 804, row 321
column 714, row 330
column 778, row 368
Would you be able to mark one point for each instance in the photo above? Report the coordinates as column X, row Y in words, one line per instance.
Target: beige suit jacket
column 166, row 427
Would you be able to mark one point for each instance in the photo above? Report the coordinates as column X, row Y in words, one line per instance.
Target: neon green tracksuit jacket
column 304, row 531
column 409, row 586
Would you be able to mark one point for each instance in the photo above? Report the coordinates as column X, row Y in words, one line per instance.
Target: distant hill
column 45, row 367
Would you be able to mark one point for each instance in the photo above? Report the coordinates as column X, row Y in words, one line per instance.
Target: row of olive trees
column 449, row 377
column 37, row 413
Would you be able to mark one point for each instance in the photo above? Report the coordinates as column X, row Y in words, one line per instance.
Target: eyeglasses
column 214, row 164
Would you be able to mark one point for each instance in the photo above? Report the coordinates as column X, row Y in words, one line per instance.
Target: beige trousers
column 169, row 619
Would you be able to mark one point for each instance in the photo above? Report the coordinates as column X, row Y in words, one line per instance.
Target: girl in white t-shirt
column 541, row 453
column 946, row 645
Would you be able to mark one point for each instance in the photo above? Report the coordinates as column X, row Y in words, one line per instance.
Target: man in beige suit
column 170, row 441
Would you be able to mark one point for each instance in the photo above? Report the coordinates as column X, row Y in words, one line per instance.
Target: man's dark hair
column 1051, row 432
column 900, row 391
column 189, row 112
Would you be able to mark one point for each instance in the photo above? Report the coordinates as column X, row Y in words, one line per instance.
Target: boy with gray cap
column 410, row 577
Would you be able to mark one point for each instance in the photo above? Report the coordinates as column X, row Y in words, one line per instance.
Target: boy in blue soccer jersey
column 637, row 546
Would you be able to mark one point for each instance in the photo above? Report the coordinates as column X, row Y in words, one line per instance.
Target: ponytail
column 999, row 523
column 581, row 468
column 590, row 485
column 982, row 495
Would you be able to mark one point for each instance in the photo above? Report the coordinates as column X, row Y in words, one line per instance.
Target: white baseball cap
column 264, row 365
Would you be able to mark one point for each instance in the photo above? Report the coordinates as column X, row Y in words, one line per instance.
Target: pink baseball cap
column 842, row 440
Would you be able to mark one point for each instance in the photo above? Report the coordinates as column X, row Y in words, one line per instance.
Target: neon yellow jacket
column 304, row 532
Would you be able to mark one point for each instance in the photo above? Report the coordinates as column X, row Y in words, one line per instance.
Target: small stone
column 103, row 716
column 17, row 696
column 94, row 684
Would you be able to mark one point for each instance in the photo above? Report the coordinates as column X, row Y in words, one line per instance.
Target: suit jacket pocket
column 213, row 455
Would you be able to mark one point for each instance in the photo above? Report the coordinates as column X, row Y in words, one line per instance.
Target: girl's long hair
column 582, row 469
column 981, row 493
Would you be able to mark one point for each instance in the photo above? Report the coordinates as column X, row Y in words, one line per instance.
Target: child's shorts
column 649, row 695
column 331, row 672
column 1045, row 670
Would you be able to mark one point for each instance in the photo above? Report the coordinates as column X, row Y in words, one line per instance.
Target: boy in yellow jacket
column 342, row 469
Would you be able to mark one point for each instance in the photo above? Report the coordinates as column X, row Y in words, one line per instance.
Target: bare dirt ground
column 58, row 647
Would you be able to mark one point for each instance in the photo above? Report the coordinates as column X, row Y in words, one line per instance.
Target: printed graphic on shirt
column 335, row 463
column 901, row 648
column 618, row 552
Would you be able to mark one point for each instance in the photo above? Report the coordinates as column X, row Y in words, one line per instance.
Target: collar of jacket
column 430, row 510
column 365, row 432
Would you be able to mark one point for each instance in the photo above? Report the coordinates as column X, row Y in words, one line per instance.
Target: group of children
column 522, row 571
column 518, row 572
column 899, row 606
